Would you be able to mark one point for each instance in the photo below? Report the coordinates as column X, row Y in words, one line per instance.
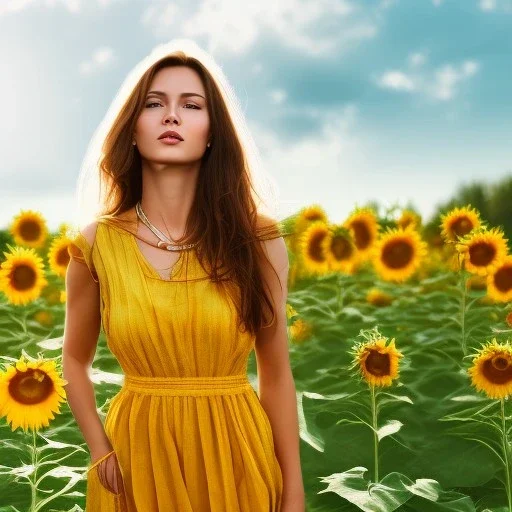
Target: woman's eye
column 156, row 103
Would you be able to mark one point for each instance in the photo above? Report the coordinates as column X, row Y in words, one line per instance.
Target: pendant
column 161, row 244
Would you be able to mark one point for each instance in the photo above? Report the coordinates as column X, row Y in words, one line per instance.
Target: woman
column 182, row 269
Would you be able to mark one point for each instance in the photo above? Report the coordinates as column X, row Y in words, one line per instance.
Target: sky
column 349, row 101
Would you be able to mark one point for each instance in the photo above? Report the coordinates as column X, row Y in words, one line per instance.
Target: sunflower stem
column 506, row 453
column 33, row 478
column 375, row 436
column 463, row 278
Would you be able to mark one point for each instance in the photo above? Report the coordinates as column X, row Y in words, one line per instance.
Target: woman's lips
column 170, row 140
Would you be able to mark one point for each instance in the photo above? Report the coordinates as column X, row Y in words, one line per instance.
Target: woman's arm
column 81, row 330
column 275, row 380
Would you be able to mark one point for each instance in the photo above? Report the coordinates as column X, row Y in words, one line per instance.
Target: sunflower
column 44, row 318
column 486, row 300
column 29, row 228
column 22, row 275
column 398, row 253
column 30, row 391
column 483, row 250
column 58, row 255
column 340, row 250
column 303, row 220
column 491, row 369
column 476, row 282
column 308, row 215
column 64, row 228
column 377, row 297
column 459, row 222
column 365, row 229
column 409, row 218
column 376, row 359
column 299, row 331
column 499, row 282
column 63, row 296
column 311, row 248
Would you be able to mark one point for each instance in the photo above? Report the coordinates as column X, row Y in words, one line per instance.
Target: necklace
column 164, row 242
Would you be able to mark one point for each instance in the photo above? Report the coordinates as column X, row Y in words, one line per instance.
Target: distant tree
column 5, row 238
column 500, row 205
column 493, row 201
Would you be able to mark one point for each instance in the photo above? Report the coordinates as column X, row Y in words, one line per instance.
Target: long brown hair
column 224, row 219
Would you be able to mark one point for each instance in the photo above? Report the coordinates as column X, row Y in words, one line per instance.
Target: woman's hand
column 109, row 474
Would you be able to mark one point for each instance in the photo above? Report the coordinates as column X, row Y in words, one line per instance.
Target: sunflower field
column 400, row 342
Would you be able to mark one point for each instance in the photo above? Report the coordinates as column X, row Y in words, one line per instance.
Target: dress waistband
column 195, row 386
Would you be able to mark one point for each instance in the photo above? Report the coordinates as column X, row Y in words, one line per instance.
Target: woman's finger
column 113, row 476
column 109, row 474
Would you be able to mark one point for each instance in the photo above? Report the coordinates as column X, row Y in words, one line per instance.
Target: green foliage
column 426, row 463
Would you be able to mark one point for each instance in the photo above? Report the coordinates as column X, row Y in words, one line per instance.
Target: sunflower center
column 30, row 230
column 397, row 254
column 461, row 226
column 30, row 387
column 362, row 236
column 497, row 369
column 377, row 363
column 315, row 250
column 341, row 248
column 503, row 279
column 481, row 254
column 23, row 277
column 63, row 257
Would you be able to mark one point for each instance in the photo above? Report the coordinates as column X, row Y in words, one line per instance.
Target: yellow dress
column 187, row 427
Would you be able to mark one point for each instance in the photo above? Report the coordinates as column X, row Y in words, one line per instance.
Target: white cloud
column 487, row 5
column 319, row 168
column 340, row 166
column 257, row 68
column 441, row 84
column 8, row 6
column 70, row 5
column 448, row 77
column 99, row 59
column 73, row 6
column 160, row 17
column 234, row 27
column 469, row 67
column 278, row 95
column 397, row 80
column 417, row 59
column 386, row 4
column 496, row 5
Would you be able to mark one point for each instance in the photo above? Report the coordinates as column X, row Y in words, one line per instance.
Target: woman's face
column 166, row 108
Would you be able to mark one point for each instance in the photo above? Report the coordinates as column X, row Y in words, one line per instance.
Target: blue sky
column 349, row 101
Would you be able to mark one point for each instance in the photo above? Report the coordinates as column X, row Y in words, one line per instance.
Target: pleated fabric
column 187, row 427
